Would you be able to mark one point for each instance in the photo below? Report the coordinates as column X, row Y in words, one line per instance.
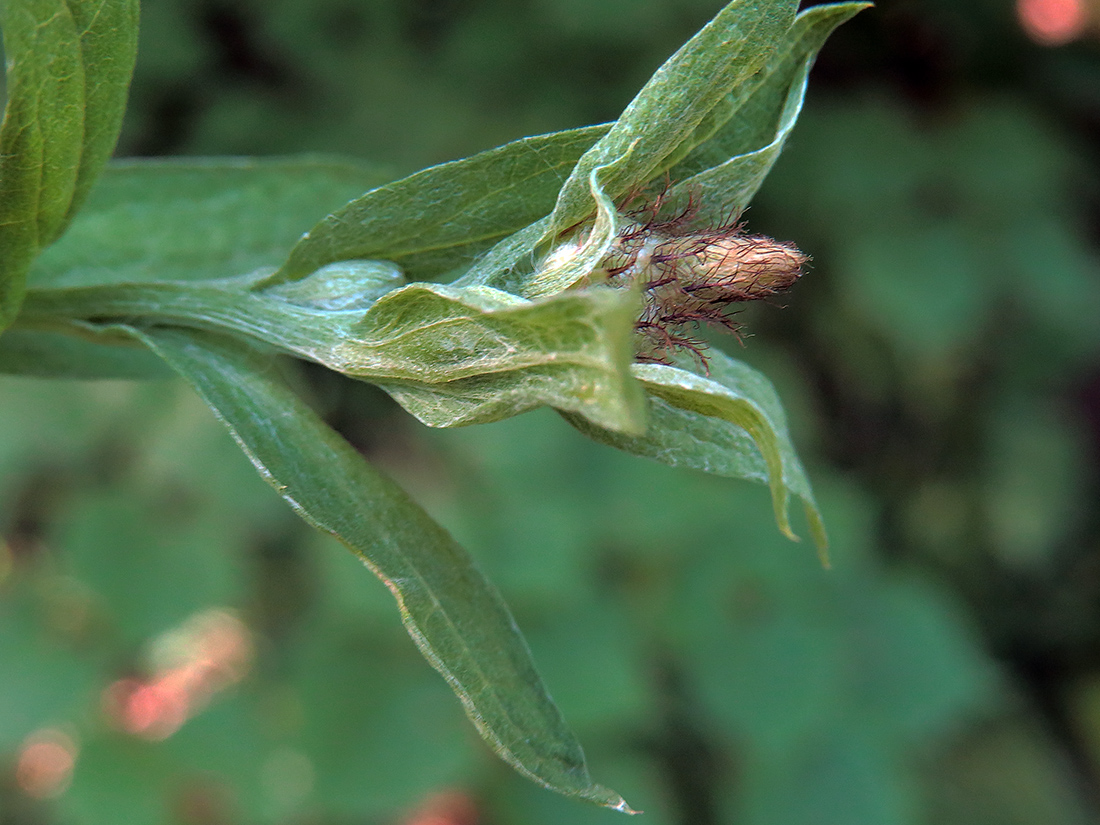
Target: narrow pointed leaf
column 443, row 216
column 669, row 109
column 720, row 177
column 721, row 193
column 719, row 164
column 752, row 113
column 729, row 423
column 455, row 616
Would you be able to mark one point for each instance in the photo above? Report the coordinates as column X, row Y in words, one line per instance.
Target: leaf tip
column 817, row 531
column 609, row 799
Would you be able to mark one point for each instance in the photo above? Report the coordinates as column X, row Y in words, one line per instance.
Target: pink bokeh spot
column 45, row 763
column 211, row 652
column 445, row 808
column 154, row 711
column 1052, row 22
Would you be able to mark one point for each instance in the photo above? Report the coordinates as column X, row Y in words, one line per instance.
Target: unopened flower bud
column 733, row 267
column 692, row 278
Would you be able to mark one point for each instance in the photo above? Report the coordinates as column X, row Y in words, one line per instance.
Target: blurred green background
column 940, row 365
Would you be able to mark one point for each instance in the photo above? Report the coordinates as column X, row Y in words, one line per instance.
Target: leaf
column 108, row 31
column 753, row 112
column 720, row 177
column 443, row 216
column 452, row 356
column 670, row 108
column 41, row 136
column 721, row 193
column 719, row 164
column 68, row 72
column 729, row 423
column 573, row 261
column 507, row 265
column 188, row 219
column 455, row 616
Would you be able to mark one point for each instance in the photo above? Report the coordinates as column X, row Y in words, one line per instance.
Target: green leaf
column 721, row 193
column 68, row 72
column 752, row 113
column 721, row 176
column 719, row 164
column 108, row 31
column 729, row 423
column 508, row 265
column 455, row 616
column 573, row 261
column 197, row 218
column 669, row 110
column 463, row 356
column 452, row 356
column 40, row 140
column 443, row 216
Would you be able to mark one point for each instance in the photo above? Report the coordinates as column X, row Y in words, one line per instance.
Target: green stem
column 217, row 308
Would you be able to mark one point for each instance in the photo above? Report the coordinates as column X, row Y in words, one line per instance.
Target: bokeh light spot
column 210, row 652
column 1052, row 22
column 446, row 808
column 45, row 765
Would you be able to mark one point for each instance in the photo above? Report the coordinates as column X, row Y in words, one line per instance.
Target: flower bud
column 734, row 267
column 692, row 278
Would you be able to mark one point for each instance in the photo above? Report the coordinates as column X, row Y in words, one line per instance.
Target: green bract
column 212, row 269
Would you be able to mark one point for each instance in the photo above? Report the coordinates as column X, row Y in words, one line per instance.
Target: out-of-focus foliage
column 939, row 365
